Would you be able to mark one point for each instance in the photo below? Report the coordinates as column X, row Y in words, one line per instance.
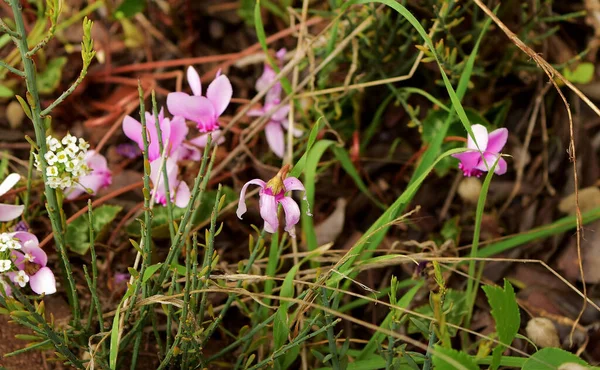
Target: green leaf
column 78, row 237
column 49, row 79
column 459, row 357
column 6, row 92
column 150, row 270
column 551, row 359
column 114, row 340
column 454, row 305
column 505, row 312
column 583, row 73
column 129, row 8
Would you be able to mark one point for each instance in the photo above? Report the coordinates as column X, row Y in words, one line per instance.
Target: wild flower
column 178, row 190
column 478, row 158
column 279, row 118
column 9, row 212
column 204, row 110
column 30, row 261
column 173, row 132
column 66, row 161
column 272, row 193
column 98, row 177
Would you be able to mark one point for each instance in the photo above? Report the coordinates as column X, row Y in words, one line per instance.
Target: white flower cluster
column 7, row 243
column 66, row 161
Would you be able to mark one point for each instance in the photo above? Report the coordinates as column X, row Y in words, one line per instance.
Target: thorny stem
column 40, row 137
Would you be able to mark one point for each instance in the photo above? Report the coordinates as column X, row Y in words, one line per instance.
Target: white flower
column 66, row 182
column 84, row 145
column 21, row 278
column 73, row 149
column 53, row 143
column 69, row 139
column 54, row 182
column 28, row 257
column 13, row 244
column 5, row 237
column 5, row 265
column 62, row 157
column 50, row 158
column 51, row 171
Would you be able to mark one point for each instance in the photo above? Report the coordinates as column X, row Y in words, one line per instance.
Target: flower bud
column 542, row 332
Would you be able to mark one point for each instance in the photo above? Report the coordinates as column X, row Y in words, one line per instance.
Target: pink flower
column 173, row 133
column 31, row 262
column 178, row 190
column 9, row 212
column 272, row 194
column 98, row 178
column 278, row 120
column 205, row 111
column 474, row 161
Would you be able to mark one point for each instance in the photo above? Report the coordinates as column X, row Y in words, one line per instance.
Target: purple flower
column 128, row 150
column 31, row 261
column 475, row 161
column 98, row 178
column 178, row 190
column 205, row 111
column 272, row 194
column 9, row 212
column 173, row 133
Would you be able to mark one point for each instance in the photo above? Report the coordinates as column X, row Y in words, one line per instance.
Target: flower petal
column 182, row 195
column 178, row 130
column 26, row 238
column 269, row 228
column 501, row 167
column 242, row 202
column 195, row 108
column 292, row 214
column 275, row 138
column 292, row 183
column 194, row 81
column 202, row 140
column 9, row 212
column 43, row 282
column 219, row 92
column 469, row 159
column 268, row 210
column 133, row 130
column 40, row 257
column 255, row 112
column 8, row 183
column 281, row 114
column 481, row 136
column 497, row 140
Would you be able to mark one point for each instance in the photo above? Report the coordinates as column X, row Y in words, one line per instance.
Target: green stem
column 12, row 69
column 40, row 137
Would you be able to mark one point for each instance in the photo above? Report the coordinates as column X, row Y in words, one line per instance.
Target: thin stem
column 18, row 72
column 66, row 93
column 40, row 137
column 4, row 27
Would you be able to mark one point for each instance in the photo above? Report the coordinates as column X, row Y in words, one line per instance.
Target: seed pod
column 542, row 332
column 469, row 189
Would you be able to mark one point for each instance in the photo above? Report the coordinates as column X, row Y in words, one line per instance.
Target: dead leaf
column 589, row 198
column 328, row 230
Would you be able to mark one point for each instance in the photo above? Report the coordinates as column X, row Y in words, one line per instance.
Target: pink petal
column 265, row 79
column 281, row 54
column 219, row 92
column 490, row 159
column 481, row 136
column 26, row 238
column 497, row 140
column 40, row 257
column 255, row 112
column 195, row 108
column 269, row 228
column 469, row 159
column 275, row 138
column 95, row 161
column 9, row 212
column 8, row 183
column 274, row 94
column 43, row 282
column 178, row 130
column 292, row 214
column 133, row 130
column 194, row 80
column 268, row 210
column 182, row 196
column 292, row 183
column 281, row 114
column 96, row 181
column 6, row 287
column 242, row 202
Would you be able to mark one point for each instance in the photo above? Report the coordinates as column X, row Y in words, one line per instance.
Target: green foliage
column 582, row 74
column 77, row 236
column 129, row 8
column 442, row 356
column 551, row 359
column 454, row 307
column 505, row 311
column 49, row 79
column 6, row 92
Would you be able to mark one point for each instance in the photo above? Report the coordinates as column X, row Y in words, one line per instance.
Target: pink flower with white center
column 173, row 133
column 178, row 190
column 272, row 194
column 475, row 161
column 269, row 73
column 31, row 261
column 99, row 177
column 9, row 212
column 205, row 111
